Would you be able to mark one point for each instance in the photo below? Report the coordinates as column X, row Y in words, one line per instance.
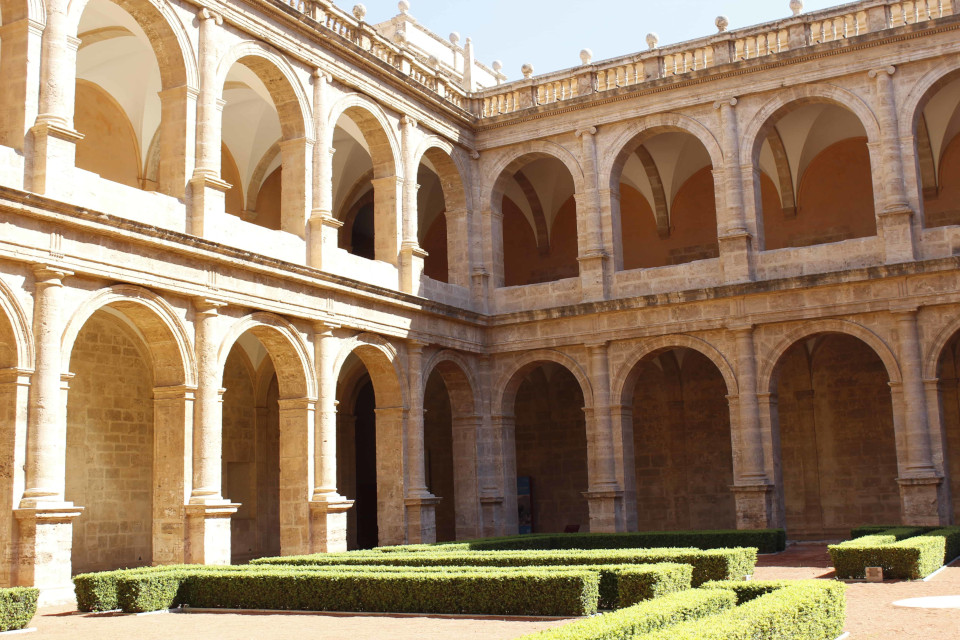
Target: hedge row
column 17, row 607
column 711, row 564
column 908, row 559
column 564, row 592
column 785, row 610
column 795, row 610
column 643, row 618
column 765, row 540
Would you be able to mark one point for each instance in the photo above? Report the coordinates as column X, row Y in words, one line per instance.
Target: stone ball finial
column 497, row 66
column 526, row 70
column 586, row 56
column 653, row 40
column 722, row 23
column 359, row 12
column 404, row 6
column 796, row 6
column 454, row 38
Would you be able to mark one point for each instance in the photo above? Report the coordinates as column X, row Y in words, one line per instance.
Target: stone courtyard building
column 274, row 280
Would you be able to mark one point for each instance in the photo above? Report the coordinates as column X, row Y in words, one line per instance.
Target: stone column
column 297, row 160
column 54, row 140
column 421, row 504
column 465, row 482
column 595, row 276
column 752, row 488
column 411, row 255
column 391, row 514
column 208, row 513
column 20, row 52
column 14, row 408
column 505, row 427
column 207, row 191
column 922, row 494
column 172, row 443
column 621, row 417
column 489, row 471
column 328, row 509
column 45, row 518
column 458, row 248
column 386, row 219
column 894, row 215
column 605, row 495
column 178, row 122
column 296, row 474
column 733, row 234
column 323, row 227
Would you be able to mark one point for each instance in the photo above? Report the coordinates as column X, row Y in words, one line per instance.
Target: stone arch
column 506, row 390
column 459, row 379
column 167, row 35
column 623, row 382
column 944, row 72
column 290, row 355
column 21, row 334
column 754, row 134
column 768, row 361
column 280, row 78
column 931, row 359
column 373, row 123
column 450, row 169
column 516, row 157
column 382, row 361
column 161, row 330
column 621, row 147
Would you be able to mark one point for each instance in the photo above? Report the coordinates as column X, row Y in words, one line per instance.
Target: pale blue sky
column 550, row 35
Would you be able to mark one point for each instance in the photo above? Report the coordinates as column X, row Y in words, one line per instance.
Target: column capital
column 407, row 121
column 322, row 76
column 904, row 310
column 325, row 327
column 740, row 327
column 206, row 14
column 416, row 345
column 883, row 71
column 726, row 102
column 50, row 275
column 208, row 306
column 596, row 344
column 586, row 131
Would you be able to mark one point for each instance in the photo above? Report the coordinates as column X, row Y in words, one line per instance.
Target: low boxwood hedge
column 712, row 564
column 794, row 610
column 951, row 541
column 908, row 559
column 536, row 591
column 17, row 607
column 765, row 540
column 643, row 618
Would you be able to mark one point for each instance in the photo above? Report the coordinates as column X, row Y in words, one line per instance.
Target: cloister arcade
column 274, row 286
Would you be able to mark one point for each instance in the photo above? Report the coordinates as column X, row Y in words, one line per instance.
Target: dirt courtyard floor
column 871, row 615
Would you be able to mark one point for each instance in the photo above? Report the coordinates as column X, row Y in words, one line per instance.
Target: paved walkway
column 871, row 615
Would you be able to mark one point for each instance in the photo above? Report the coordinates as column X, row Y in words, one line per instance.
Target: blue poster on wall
column 524, row 504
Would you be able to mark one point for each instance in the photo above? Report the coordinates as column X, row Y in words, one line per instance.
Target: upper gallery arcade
column 277, row 280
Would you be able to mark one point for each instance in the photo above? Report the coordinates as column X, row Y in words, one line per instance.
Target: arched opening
column 442, row 218
column 110, row 443
column 370, row 420
column 668, row 211
column 365, row 187
column 13, row 399
column 538, row 235
column 117, row 103
column 251, row 135
column 936, row 133
column 837, row 445
column 251, row 449
column 683, row 455
column 815, row 183
column 550, row 442
column 438, row 454
column 948, row 373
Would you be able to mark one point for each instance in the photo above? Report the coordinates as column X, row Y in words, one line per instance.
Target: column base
column 606, row 510
column 491, row 513
column 323, row 240
column 412, row 258
column 736, row 257
column 52, row 158
column 328, row 523
column 45, row 547
column 422, row 519
column 923, row 501
column 896, row 229
column 594, row 276
column 208, row 532
column 755, row 506
column 206, row 199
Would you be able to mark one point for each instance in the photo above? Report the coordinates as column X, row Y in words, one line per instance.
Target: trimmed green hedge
column 643, row 618
column 951, row 540
column 794, row 610
column 564, row 592
column 765, row 540
column 908, row 559
column 620, row 585
column 712, row 564
column 17, row 607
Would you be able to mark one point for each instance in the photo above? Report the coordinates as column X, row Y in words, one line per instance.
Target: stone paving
column 871, row 615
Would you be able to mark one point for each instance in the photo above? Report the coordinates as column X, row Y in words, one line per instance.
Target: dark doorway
column 366, row 466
